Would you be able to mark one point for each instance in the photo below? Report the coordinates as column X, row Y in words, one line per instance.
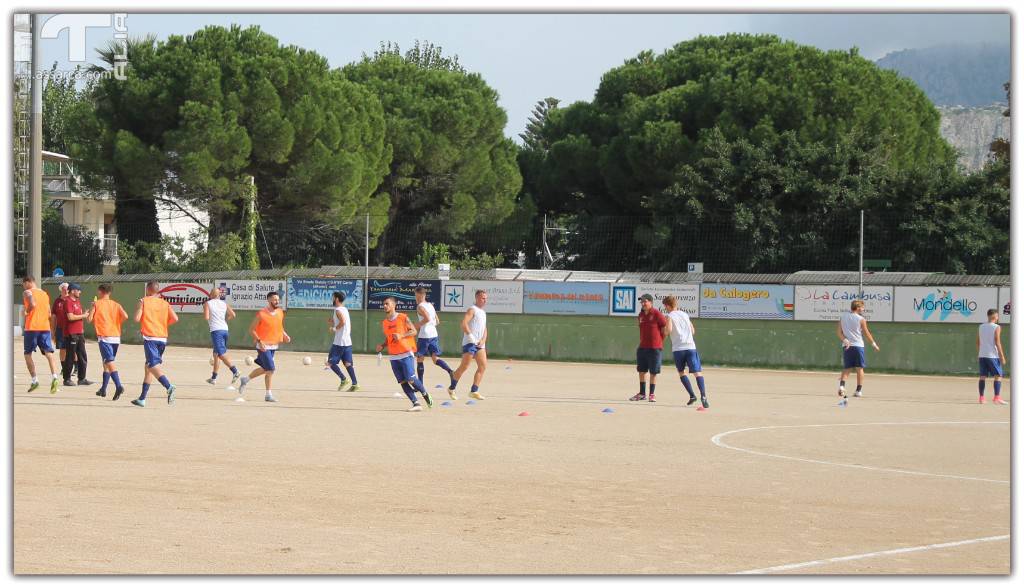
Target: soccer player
column 341, row 349
column 653, row 328
column 427, row 342
column 268, row 332
column 400, row 341
column 74, row 336
column 154, row 316
column 57, row 320
column 990, row 357
column 684, row 349
column 474, row 339
column 106, row 316
column 851, row 329
column 217, row 313
column 37, row 331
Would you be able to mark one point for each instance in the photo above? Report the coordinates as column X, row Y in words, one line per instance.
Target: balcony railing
column 110, row 248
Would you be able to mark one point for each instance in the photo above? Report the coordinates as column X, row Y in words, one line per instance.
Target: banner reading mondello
column 403, row 291
column 590, row 298
column 944, row 304
column 746, row 301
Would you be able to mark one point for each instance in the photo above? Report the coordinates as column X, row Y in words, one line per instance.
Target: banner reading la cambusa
column 829, row 303
column 944, row 304
column 746, row 301
column 319, row 292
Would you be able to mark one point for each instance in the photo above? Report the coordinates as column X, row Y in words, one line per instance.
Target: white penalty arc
column 718, row 440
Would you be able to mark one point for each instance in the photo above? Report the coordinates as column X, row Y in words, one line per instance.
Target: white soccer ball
column 307, row 360
column 239, row 399
column 231, row 389
column 248, row 360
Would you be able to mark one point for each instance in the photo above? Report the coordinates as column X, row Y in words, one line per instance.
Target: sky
column 527, row 57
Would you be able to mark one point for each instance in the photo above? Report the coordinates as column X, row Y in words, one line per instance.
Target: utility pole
column 35, row 204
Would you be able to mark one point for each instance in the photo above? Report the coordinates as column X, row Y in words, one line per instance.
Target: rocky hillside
column 955, row 75
column 971, row 130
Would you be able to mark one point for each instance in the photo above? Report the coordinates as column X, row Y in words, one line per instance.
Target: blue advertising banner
column 747, row 301
column 565, row 298
column 403, row 291
column 318, row 292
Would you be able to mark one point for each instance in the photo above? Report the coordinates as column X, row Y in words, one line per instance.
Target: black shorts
column 648, row 360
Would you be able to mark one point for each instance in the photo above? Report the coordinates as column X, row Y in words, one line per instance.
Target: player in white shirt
column 990, row 357
column 684, row 349
column 427, row 342
column 217, row 313
column 851, row 329
column 341, row 348
column 474, row 338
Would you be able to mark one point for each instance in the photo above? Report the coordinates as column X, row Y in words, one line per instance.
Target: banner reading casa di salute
column 747, row 301
column 251, row 294
column 404, row 293
column 503, row 296
column 589, row 298
column 625, row 298
column 184, row 296
column 944, row 304
column 828, row 303
column 319, row 292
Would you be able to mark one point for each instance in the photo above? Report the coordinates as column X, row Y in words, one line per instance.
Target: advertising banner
column 1004, row 305
column 625, row 298
column 587, row 298
column 746, row 301
column 319, row 292
column 828, row 303
column 503, row 296
column 183, row 296
column 944, row 304
column 252, row 294
column 403, row 291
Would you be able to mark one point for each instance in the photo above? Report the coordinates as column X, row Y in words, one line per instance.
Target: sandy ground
column 348, row 483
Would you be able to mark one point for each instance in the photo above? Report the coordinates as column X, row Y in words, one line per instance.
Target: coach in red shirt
column 74, row 336
column 653, row 328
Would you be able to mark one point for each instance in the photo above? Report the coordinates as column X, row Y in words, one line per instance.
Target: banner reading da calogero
column 746, row 301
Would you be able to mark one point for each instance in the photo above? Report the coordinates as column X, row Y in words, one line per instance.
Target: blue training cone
column 446, row 403
column 608, row 410
column 439, row 386
column 471, row 402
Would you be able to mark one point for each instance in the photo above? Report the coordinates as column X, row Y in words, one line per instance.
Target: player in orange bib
column 37, row 331
column 400, row 341
column 154, row 316
column 106, row 316
column 267, row 331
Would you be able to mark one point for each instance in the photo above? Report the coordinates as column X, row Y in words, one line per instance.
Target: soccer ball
column 248, row 360
column 307, row 360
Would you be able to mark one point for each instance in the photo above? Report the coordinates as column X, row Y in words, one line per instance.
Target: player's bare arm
column 999, row 345
column 867, row 334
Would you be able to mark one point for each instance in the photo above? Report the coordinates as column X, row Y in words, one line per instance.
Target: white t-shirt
column 987, row 337
column 851, row 329
column 682, row 332
column 477, row 325
column 342, row 336
column 429, row 330
column 218, row 312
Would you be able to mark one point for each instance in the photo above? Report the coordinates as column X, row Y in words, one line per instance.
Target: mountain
column 972, row 130
column 956, row 75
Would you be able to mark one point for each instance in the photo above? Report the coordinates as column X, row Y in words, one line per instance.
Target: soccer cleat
column 241, row 384
column 430, row 401
column 33, row 386
column 451, row 394
column 651, row 398
column 858, row 394
column 843, row 401
column 101, row 393
column 998, row 400
column 68, row 383
column 211, row 381
column 353, row 388
column 269, row 398
column 476, row 395
column 170, row 394
column 117, row 393
column 85, row 382
column 234, row 378
column 981, row 400
column 691, row 401
column 415, row 408
column 704, row 401
column 638, row 396
column 138, row 402
column 342, row 385
column 53, row 386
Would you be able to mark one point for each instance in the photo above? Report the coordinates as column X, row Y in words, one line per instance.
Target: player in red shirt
column 653, row 328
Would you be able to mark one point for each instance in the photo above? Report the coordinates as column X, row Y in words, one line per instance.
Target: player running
column 217, row 313
column 427, row 342
column 990, row 357
column 851, row 329
column 340, row 324
column 474, row 339
column 154, row 316
column 268, row 332
column 400, row 341
column 684, row 349
column 653, row 328
column 106, row 316
column 37, row 331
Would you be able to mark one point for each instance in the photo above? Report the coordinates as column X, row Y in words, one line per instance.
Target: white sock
column 269, row 392
column 54, row 376
column 35, row 380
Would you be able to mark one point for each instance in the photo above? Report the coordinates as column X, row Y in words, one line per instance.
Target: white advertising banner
column 184, row 296
column 252, row 294
column 943, row 304
column 503, row 296
column 1004, row 305
column 625, row 298
column 828, row 303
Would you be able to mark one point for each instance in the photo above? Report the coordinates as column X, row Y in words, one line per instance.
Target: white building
column 93, row 211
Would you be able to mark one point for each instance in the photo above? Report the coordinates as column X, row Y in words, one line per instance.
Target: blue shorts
column 58, row 333
column 40, row 339
column 404, row 369
column 108, row 351
column 220, row 342
column 990, row 366
column 426, row 347
column 471, row 349
column 687, row 358
column 265, row 359
column 853, row 357
column 340, row 354
column 154, row 352
column 648, row 360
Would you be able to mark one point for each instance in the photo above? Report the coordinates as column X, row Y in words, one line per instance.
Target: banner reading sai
column 503, row 296
column 589, row 298
column 625, row 298
column 747, row 301
column 828, row 303
column 319, row 292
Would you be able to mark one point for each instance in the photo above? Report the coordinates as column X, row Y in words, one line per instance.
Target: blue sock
column 145, row 391
column 643, row 388
column 998, row 384
column 454, row 383
column 337, row 370
column 981, row 387
column 214, row 376
column 164, row 382
column 409, row 392
column 106, row 380
column 441, row 364
column 234, row 370
column 474, row 388
column 418, row 385
column 700, row 384
column 351, row 369
column 652, row 389
column 419, row 370
column 117, row 378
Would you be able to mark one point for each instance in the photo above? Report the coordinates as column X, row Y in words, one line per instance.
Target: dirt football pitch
column 913, row 478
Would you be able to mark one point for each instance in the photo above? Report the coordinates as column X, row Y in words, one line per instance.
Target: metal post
column 366, row 288
column 860, row 287
column 35, row 206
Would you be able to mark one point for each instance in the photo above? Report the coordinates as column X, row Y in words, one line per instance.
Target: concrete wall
column 906, row 347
